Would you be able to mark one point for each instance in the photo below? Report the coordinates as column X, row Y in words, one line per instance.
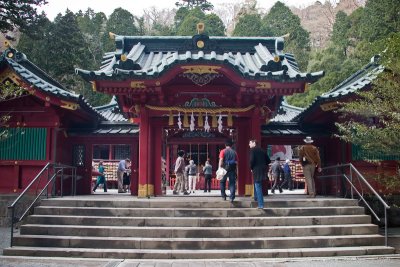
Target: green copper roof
column 357, row 81
column 36, row 77
column 150, row 56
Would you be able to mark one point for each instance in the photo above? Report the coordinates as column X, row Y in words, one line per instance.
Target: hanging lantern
column 170, row 119
column 230, row 120
column 214, row 122
column 185, row 120
column 200, row 120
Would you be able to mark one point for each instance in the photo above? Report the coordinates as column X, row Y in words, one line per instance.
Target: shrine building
column 193, row 93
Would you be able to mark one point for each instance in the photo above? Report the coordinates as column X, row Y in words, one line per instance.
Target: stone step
column 198, row 243
column 199, row 221
column 215, row 202
column 199, row 232
column 198, row 212
column 196, row 254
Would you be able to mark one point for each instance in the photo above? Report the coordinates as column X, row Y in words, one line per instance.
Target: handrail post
column 62, row 180
column 351, row 179
column 386, row 230
column 48, row 177
column 12, row 226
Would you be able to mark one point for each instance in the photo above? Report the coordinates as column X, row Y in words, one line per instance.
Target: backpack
column 229, row 159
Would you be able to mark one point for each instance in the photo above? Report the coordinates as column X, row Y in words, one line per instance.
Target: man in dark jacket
column 259, row 161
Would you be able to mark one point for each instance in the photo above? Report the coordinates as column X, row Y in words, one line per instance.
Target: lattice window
column 79, row 155
column 122, row 152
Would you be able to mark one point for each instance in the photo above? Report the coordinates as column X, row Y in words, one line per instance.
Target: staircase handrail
column 353, row 187
column 59, row 169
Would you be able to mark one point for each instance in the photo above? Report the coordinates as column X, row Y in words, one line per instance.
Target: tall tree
column 249, row 25
column 281, row 21
column 21, row 14
column 214, row 25
column 340, row 32
column 373, row 120
column 381, row 17
column 120, row 22
column 204, row 5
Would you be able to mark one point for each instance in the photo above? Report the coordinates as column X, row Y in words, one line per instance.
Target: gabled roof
column 40, row 80
column 147, row 57
column 286, row 112
column 111, row 111
column 357, row 81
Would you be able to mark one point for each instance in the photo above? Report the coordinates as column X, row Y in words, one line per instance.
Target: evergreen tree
column 373, row 120
column 214, row 25
column 20, row 14
column 249, row 25
column 204, row 5
column 281, row 21
column 120, row 22
column 381, row 17
column 340, row 32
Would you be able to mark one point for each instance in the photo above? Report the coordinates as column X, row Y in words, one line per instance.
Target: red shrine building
column 170, row 93
column 193, row 93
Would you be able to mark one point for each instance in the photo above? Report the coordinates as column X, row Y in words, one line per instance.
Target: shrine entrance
column 199, row 146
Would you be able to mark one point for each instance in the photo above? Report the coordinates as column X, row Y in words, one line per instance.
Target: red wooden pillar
column 143, row 152
column 135, row 166
column 155, row 161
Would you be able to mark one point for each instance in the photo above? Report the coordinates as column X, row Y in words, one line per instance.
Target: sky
column 136, row 7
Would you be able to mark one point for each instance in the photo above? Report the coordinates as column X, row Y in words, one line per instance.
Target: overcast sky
column 136, row 6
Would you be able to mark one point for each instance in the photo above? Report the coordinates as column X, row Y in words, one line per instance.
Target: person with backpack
column 228, row 160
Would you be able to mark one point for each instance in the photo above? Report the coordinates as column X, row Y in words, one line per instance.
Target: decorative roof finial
column 200, row 28
column 112, row 35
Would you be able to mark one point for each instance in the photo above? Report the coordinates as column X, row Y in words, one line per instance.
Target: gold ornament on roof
column 200, row 27
column 201, row 69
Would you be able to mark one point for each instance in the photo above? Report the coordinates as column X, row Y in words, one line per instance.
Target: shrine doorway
column 199, row 146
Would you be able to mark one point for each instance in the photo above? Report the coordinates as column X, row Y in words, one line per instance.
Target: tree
column 340, row 32
column 120, row 22
column 8, row 91
column 21, row 14
column 204, row 5
column 373, row 120
column 214, row 25
column 381, row 17
column 249, row 25
column 281, row 21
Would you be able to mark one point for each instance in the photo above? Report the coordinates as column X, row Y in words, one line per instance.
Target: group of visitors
column 123, row 176
column 187, row 176
column 281, row 175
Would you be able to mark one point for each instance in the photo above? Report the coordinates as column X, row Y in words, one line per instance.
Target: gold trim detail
column 111, row 35
column 248, row 190
column 197, row 110
column 69, row 105
column 200, row 44
column 200, row 69
column 306, row 87
column 9, row 74
column 158, row 83
column 146, row 190
column 329, row 106
column 200, row 27
column 94, row 88
column 138, row 85
column 263, row 85
column 124, row 57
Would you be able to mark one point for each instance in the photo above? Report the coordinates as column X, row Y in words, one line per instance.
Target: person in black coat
column 259, row 161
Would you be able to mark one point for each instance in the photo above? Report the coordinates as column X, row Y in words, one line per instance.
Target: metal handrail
column 58, row 169
column 349, row 179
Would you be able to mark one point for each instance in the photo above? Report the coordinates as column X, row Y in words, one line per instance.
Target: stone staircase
column 197, row 228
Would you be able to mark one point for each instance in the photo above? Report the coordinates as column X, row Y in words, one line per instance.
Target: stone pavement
column 387, row 261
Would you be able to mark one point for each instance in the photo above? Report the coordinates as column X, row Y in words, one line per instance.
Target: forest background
column 337, row 38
